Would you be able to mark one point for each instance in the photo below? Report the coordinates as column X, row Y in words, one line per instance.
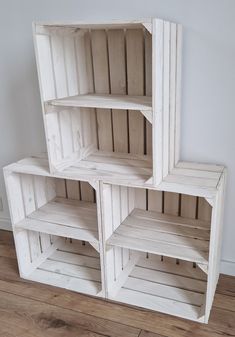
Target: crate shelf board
column 72, row 266
column 162, row 234
column 112, row 167
column 70, row 27
column 64, row 217
column 193, row 178
column 126, row 102
column 153, row 285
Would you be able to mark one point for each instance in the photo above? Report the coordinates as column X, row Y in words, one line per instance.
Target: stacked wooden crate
column 113, row 212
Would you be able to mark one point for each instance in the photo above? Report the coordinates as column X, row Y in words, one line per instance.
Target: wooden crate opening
column 96, row 85
column 149, row 223
column 54, row 206
column 158, row 283
column 59, row 261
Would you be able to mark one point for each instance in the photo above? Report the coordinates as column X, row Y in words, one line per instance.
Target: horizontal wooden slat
column 58, row 229
column 180, row 294
column 164, row 305
column 162, row 237
column 72, row 267
column 125, row 169
column 125, row 102
column 63, row 217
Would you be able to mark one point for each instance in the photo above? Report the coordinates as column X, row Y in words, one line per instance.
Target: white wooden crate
column 162, row 249
column 114, row 213
column 111, row 90
column 56, row 230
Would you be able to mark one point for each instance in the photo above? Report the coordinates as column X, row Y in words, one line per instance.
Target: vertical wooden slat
column 45, row 68
column 60, row 188
column 188, row 206
column 215, row 245
column 59, row 66
column 148, row 86
column 44, row 192
column 204, row 209
column 166, row 98
column 101, row 83
column 135, row 86
column 171, row 203
column 116, row 221
column 27, row 186
column 87, row 192
column 70, row 65
column 16, row 206
column 83, row 119
column 178, row 92
column 155, row 201
column 157, row 45
column 172, row 95
column 124, row 213
column 117, row 69
column 73, row 189
column 66, row 133
column 140, row 198
column 53, row 138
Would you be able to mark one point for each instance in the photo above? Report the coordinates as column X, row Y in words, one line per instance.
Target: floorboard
column 33, row 309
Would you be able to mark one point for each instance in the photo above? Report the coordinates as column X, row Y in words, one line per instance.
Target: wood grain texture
column 95, row 317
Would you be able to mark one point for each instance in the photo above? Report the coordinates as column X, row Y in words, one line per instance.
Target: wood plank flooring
column 32, row 309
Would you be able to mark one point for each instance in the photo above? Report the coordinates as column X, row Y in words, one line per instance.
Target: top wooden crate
column 110, row 95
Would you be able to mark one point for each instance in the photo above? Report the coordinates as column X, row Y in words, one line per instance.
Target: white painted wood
column 157, row 36
column 135, row 86
column 154, row 235
column 126, row 102
column 150, row 225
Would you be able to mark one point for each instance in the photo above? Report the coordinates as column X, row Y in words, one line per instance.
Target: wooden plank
column 73, row 189
column 87, row 192
column 157, row 45
column 116, row 221
column 178, row 93
column 123, row 275
column 101, row 83
column 173, row 59
column 152, row 302
column 171, row 203
column 188, row 207
column 117, row 73
column 60, row 188
column 27, row 185
column 166, row 83
column 118, row 100
column 148, row 86
column 59, row 229
column 204, row 209
column 180, row 252
column 155, row 201
column 45, row 67
column 68, row 215
column 135, row 86
column 57, row 49
column 169, row 265
column 70, row 65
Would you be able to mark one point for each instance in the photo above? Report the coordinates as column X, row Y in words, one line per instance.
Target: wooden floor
column 35, row 310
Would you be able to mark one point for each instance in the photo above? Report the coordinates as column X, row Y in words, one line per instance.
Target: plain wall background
column 208, row 87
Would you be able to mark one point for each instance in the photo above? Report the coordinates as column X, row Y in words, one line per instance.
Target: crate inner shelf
column 126, row 102
column 164, row 234
column 158, row 283
column 74, row 265
column 64, row 217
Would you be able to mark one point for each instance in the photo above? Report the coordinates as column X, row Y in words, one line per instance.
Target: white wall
column 208, row 116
